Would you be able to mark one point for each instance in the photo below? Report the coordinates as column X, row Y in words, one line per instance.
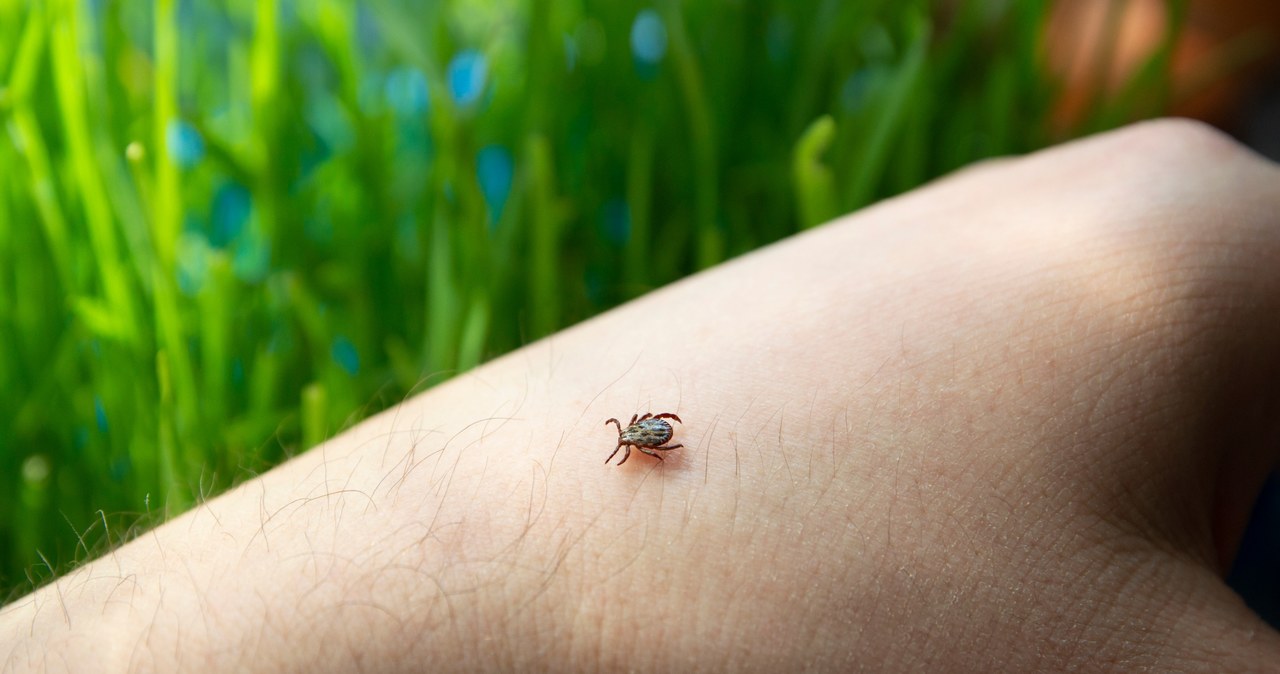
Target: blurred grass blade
column 69, row 79
column 166, row 218
column 873, row 152
column 315, row 414
column 544, row 234
column 709, row 247
column 814, row 182
column 475, row 331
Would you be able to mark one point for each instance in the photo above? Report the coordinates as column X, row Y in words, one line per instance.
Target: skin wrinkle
column 1007, row 597
column 1112, row 408
column 1147, row 584
column 1217, row 640
column 1224, row 418
column 1052, row 600
column 1102, row 564
column 954, row 583
column 1165, row 477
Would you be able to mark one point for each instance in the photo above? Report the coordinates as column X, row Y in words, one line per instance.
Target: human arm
column 1013, row 420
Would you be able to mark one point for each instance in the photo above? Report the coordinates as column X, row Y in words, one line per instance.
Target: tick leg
column 646, row 416
column 656, row 456
column 615, row 451
column 615, row 422
column 667, row 448
column 667, row 415
column 625, row 456
column 633, row 419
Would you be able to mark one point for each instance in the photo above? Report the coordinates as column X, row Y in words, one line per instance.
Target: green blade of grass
column 710, row 245
column 166, row 212
column 41, row 183
column 27, row 55
column 544, row 235
column 171, row 460
column 888, row 119
column 69, row 78
column 814, row 182
column 639, row 202
column 475, row 330
column 315, row 414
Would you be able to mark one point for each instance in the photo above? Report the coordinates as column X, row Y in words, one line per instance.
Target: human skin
column 1011, row 421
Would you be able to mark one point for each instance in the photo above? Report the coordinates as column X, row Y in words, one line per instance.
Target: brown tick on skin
column 645, row 433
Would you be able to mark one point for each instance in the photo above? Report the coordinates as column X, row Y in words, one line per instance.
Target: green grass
column 230, row 229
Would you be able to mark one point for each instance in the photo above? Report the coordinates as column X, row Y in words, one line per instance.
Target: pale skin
column 1012, row 421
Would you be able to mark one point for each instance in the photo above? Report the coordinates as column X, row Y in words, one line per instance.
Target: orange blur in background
column 1227, row 51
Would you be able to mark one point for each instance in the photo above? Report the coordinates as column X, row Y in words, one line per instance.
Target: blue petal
column 495, row 171
column 858, row 87
column 231, row 207
column 406, row 91
column 617, row 222
column 345, row 355
column 570, row 52
column 119, row 467
column 648, row 37
column 184, row 143
column 467, row 74
column 100, row 414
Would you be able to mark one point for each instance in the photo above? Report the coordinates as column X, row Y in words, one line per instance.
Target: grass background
column 231, row 228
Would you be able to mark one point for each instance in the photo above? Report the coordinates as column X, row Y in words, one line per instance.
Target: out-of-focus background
column 229, row 229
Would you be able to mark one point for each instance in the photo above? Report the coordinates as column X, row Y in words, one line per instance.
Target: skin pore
column 1011, row 421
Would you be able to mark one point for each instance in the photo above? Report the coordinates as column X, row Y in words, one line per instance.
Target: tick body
column 645, row 433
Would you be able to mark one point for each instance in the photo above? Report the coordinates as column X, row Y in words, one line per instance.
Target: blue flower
column 859, row 87
column 406, row 91
column 232, row 205
column 100, row 414
column 495, row 170
column 467, row 75
column 648, row 38
column 184, row 143
column 570, row 52
column 119, row 467
column 616, row 224
column 345, row 355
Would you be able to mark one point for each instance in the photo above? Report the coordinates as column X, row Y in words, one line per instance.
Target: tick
column 645, row 433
